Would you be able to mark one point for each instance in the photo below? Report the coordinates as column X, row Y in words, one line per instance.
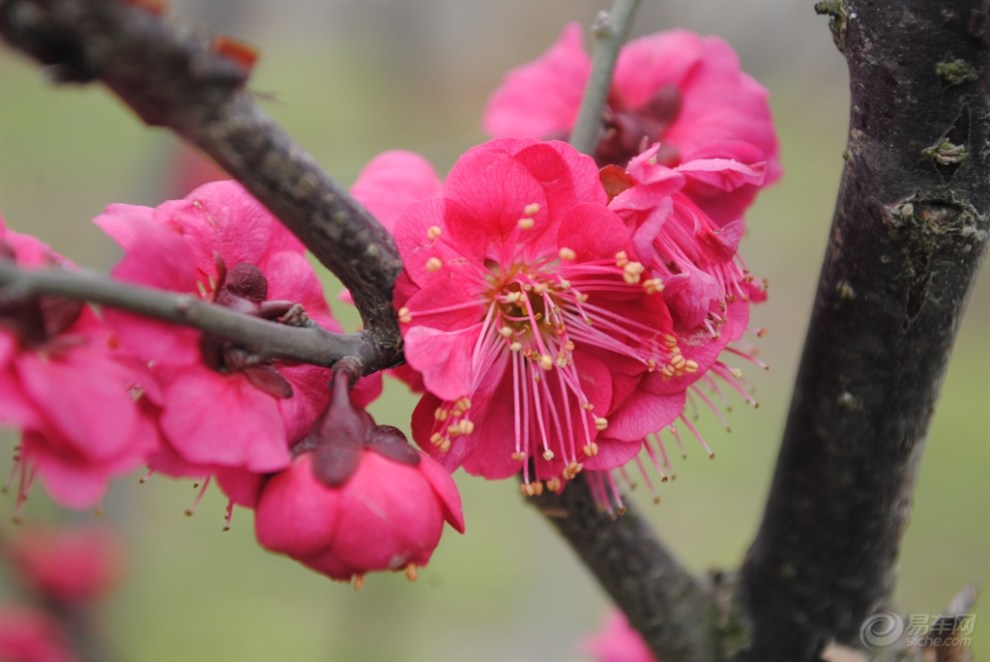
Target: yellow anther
column 513, row 297
column 440, row 414
column 537, row 488
column 525, row 223
column 553, row 484
column 546, row 362
column 358, row 581
column 464, row 403
column 582, row 298
column 433, row 264
column 653, row 285
column 411, row 572
column 515, row 347
column 590, row 450
column 433, row 232
column 691, row 366
column 405, row 315
column 572, row 470
column 678, row 360
column 632, row 271
column 667, row 372
column 548, row 455
column 651, row 365
column 736, row 372
column 519, row 456
column 600, row 423
column 436, row 438
column 540, row 288
column 505, row 331
column 587, row 406
column 467, row 427
column 567, row 254
column 569, row 346
column 445, row 446
column 531, row 209
column 621, row 259
column 670, row 339
column 562, row 360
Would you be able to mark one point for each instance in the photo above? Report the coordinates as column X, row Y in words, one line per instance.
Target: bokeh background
column 348, row 80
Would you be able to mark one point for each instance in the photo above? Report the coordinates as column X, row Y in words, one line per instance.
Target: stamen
column 567, row 254
column 525, row 223
column 531, row 209
column 433, row 232
column 433, row 264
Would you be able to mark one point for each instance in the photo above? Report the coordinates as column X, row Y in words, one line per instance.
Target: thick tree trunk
column 909, row 232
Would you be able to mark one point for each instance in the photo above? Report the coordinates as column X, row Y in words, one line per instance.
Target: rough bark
column 909, row 232
column 198, row 90
column 663, row 601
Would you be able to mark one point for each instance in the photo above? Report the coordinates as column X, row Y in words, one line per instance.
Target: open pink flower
column 67, row 388
column 527, row 314
column 707, row 290
column 618, row 642
column 69, row 566
column 358, row 498
column 675, row 87
column 221, row 410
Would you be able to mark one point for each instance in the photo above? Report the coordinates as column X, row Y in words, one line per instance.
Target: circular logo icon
column 881, row 630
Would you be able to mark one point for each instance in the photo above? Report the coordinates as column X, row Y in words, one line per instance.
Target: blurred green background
column 348, row 80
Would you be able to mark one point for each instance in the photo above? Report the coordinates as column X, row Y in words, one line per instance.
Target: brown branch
column 663, row 601
column 171, row 79
column 909, row 232
column 306, row 344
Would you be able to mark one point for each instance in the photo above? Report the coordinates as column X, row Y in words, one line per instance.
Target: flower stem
column 609, row 32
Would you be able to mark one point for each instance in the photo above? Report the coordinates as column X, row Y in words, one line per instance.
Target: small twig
column 663, row 601
column 609, row 31
column 171, row 79
column 308, row 344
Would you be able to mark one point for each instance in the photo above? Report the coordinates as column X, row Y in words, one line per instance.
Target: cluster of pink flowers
column 558, row 311
column 62, row 574
column 100, row 393
column 557, row 308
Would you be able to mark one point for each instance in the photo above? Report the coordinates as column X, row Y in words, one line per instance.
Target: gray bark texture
column 909, row 232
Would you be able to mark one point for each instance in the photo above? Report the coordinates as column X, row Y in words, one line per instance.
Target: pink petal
column 214, row 419
column 541, row 99
column 296, row 514
column 446, row 490
column 392, row 181
column 443, row 358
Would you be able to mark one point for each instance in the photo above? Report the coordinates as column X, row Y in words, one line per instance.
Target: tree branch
column 307, row 344
column 662, row 600
column 609, row 31
column 170, row 79
column 909, row 232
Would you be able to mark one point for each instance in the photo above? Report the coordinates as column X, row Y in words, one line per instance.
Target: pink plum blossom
column 618, row 642
column 527, row 314
column 357, row 498
column 675, row 87
column 68, row 389
column 222, row 411
column 29, row 635
column 67, row 565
